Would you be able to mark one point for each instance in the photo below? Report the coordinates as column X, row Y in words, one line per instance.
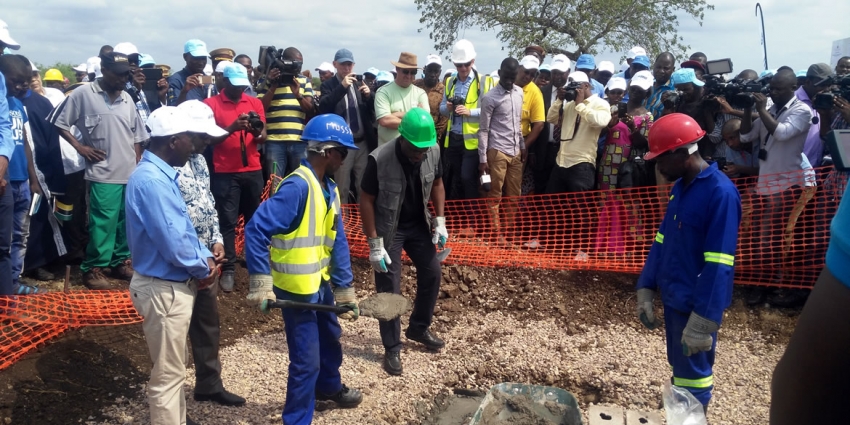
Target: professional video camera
column 270, row 57
column 739, row 93
column 571, row 91
column 839, row 86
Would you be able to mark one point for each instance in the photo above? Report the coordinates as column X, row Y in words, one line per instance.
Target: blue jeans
column 283, row 158
column 21, row 204
column 315, row 354
column 689, row 372
column 6, row 220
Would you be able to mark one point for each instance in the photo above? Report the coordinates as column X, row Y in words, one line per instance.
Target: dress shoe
column 189, row 421
column 345, row 398
column 41, row 274
column 226, row 282
column 95, row 279
column 223, row 397
column 124, row 271
column 392, row 363
column 426, row 338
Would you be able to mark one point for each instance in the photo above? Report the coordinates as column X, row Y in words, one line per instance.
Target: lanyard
column 776, row 117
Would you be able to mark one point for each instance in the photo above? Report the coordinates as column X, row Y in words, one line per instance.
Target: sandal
column 29, row 290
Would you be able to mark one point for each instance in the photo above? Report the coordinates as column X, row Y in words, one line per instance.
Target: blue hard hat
column 328, row 128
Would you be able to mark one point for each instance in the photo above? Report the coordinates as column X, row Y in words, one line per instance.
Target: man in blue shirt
column 309, row 262
column 170, row 262
column 662, row 70
column 187, row 83
column 7, row 147
column 693, row 257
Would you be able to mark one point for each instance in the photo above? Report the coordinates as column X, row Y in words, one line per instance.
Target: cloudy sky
column 798, row 33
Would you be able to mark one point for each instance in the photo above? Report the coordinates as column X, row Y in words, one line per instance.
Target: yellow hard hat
column 53, row 74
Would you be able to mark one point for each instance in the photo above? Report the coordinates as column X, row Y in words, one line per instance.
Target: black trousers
column 544, row 164
column 578, row 178
column 235, row 193
column 461, row 170
column 416, row 242
column 75, row 232
column 205, row 336
column 572, row 228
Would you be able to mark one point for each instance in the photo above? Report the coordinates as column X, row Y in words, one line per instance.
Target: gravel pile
column 578, row 334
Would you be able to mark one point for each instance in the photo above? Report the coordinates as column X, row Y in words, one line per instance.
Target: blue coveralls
column 692, row 263
column 315, row 353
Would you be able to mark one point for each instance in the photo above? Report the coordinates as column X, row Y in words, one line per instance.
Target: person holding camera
column 288, row 103
column 346, row 95
column 188, row 83
column 688, row 99
column 237, row 180
column 819, row 78
column 662, row 70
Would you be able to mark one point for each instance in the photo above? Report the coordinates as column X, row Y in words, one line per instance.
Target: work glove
column 646, row 309
column 345, row 297
column 260, row 291
column 697, row 334
column 378, row 256
column 441, row 234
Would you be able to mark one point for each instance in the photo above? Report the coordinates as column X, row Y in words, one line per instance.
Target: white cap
column 605, row 66
column 635, row 52
column 616, row 83
column 201, row 119
column 126, row 48
column 643, row 79
column 6, row 38
column 624, row 66
column 220, row 67
column 80, row 68
column 208, row 69
column 530, row 62
column 463, row 51
column 432, row 58
column 34, row 67
column 561, row 63
column 93, row 67
column 579, row 77
column 326, row 67
column 168, row 121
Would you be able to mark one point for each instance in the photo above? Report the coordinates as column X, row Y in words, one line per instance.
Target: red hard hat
column 670, row 132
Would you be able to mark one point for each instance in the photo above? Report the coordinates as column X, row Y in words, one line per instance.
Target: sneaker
column 41, row 274
column 345, row 398
column 124, row 271
column 95, row 279
column 226, row 282
column 21, row 289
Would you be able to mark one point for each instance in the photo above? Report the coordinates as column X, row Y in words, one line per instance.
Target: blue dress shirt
column 7, row 144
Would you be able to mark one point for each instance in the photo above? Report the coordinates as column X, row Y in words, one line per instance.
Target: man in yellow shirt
column 533, row 113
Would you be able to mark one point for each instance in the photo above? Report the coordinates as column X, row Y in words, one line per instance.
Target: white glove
column 260, row 290
column 441, row 234
column 378, row 256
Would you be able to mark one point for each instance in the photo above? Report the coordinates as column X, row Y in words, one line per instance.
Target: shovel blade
column 385, row 306
column 442, row 255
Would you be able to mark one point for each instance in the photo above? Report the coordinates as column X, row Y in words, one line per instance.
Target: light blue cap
column 146, row 59
column 384, row 76
column 196, row 48
column 801, row 74
column 6, row 51
column 374, row 71
column 237, row 74
column 586, row 61
column 641, row 60
column 685, row 75
column 769, row 73
column 545, row 67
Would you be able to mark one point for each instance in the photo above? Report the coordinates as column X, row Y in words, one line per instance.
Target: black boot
column 345, row 398
column 392, row 363
column 429, row 340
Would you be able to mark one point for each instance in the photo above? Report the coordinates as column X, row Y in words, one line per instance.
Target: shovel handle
column 306, row 306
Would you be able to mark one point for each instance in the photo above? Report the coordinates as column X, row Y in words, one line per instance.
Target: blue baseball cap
column 374, row 71
column 237, row 74
column 586, row 61
column 343, row 56
column 146, row 59
column 642, row 60
column 384, row 76
column 196, row 48
column 685, row 75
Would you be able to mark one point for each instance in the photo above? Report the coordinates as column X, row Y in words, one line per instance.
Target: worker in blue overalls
column 692, row 261
column 296, row 249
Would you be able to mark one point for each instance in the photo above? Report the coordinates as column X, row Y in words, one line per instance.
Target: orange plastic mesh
column 782, row 242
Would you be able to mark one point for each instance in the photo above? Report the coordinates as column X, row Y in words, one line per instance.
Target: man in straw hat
column 393, row 100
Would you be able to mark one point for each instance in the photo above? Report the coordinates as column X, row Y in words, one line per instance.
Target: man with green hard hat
column 401, row 176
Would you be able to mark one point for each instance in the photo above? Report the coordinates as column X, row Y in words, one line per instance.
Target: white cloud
column 376, row 31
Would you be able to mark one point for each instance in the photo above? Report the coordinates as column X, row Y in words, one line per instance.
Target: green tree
column 65, row 68
column 571, row 27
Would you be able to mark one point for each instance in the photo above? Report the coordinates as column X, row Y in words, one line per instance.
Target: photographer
column 288, row 103
column 818, row 79
column 188, row 84
column 237, row 179
column 689, row 100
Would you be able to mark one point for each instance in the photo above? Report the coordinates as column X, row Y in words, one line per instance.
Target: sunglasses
column 463, row 65
column 408, row 71
column 343, row 152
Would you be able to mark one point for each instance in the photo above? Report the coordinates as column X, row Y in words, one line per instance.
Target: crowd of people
column 141, row 173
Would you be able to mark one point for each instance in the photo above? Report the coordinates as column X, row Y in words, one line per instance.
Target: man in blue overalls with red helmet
column 692, row 261
column 296, row 249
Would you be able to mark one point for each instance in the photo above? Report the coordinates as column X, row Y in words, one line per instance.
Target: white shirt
column 552, row 126
column 785, row 161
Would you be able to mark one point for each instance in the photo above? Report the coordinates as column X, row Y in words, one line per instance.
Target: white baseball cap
column 126, row 48
column 643, row 79
column 326, row 67
column 561, row 63
column 6, row 38
column 81, row 67
column 93, row 66
column 605, row 66
column 432, row 58
column 201, row 119
column 168, row 121
column 579, row 77
column 616, row 83
column 221, row 66
column 635, row 52
column 624, row 66
column 530, row 62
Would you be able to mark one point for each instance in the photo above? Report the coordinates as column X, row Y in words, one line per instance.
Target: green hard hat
column 417, row 127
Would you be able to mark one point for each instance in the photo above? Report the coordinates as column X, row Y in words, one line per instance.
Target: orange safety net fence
column 782, row 242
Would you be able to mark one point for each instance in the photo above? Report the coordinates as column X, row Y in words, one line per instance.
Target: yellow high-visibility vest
column 473, row 98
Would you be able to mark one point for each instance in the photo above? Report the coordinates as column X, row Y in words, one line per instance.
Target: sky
column 376, row 31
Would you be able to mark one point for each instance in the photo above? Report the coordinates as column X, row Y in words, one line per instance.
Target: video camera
column 270, row 57
column 738, row 92
column 571, row 91
column 673, row 100
column 839, row 86
column 456, row 101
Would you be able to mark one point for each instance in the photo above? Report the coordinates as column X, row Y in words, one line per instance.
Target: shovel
column 382, row 306
column 442, row 255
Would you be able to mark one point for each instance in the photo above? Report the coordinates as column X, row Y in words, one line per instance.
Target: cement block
column 605, row 415
column 634, row 417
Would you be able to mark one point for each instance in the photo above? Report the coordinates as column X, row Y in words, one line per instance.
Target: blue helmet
column 328, row 128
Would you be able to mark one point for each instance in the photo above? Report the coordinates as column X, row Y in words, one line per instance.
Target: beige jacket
column 579, row 146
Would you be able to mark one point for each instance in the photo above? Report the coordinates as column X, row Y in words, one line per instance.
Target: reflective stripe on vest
column 706, row 382
column 300, row 259
column 470, row 129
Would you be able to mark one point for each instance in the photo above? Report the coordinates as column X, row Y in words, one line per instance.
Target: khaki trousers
column 505, row 178
column 167, row 310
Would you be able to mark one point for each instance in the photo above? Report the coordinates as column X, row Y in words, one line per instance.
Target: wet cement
column 384, row 306
column 520, row 409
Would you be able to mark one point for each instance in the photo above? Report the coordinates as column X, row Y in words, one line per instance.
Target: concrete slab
column 606, row 415
column 634, row 417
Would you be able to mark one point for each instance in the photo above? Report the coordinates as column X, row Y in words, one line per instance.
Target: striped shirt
column 285, row 119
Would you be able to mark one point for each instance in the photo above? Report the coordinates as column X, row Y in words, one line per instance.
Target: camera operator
column 187, row 84
column 237, row 179
column 136, row 82
column 288, row 103
column 689, row 99
column 818, row 79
